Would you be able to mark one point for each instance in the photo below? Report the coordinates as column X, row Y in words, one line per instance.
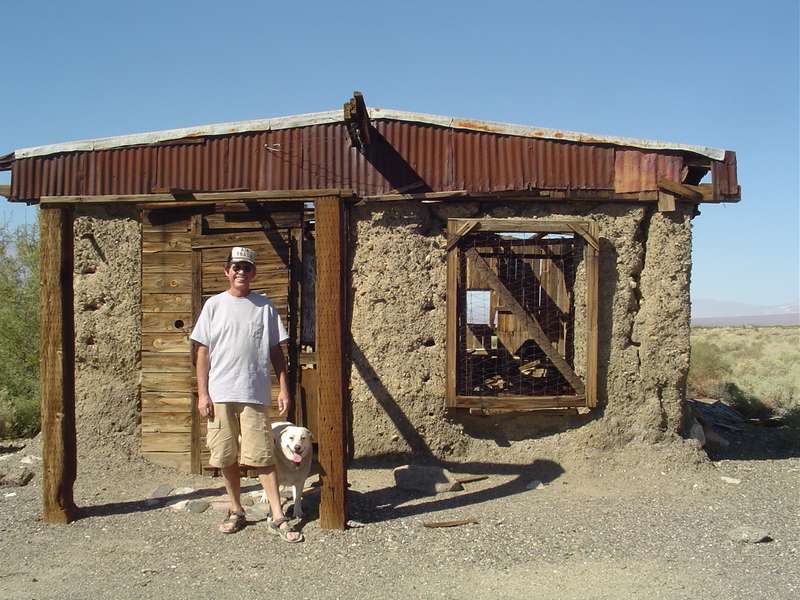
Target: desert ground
column 643, row 521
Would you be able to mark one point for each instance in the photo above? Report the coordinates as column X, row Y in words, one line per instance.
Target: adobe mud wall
column 398, row 327
column 107, row 294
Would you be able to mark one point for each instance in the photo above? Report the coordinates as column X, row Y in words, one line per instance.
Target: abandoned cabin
column 431, row 271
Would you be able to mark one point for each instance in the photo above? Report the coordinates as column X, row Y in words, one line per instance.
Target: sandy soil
column 645, row 522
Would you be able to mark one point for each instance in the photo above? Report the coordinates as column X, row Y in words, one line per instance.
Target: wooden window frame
column 457, row 229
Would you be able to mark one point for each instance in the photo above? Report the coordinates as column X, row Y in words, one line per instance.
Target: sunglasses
column 242, row 266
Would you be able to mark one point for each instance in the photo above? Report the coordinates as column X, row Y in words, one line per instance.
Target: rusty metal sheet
column 639, row 171
column 404, row 156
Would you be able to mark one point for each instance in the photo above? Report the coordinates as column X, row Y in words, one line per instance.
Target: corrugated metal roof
column 330, row 117
column 404, row 156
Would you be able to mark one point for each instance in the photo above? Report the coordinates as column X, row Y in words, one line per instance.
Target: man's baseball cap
column 242, row 254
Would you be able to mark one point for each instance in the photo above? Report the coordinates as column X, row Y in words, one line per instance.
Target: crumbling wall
column 107, row 286
column 398, row 328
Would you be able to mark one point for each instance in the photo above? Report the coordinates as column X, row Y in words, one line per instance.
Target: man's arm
column 279, row 364
column 204, row 404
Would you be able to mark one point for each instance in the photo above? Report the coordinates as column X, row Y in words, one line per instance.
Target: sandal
column 275, row 527
column 234, row 521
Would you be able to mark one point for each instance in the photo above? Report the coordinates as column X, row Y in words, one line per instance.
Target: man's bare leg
column 269, row 481
column 233, row 483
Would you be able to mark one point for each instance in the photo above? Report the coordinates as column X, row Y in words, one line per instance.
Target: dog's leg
column 297, row 496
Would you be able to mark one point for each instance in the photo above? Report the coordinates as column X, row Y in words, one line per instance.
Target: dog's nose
column 297, row 447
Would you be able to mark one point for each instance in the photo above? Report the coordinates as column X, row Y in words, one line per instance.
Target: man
column 239, row 335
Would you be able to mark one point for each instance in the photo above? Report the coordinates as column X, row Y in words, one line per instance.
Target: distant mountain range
column 718, row 313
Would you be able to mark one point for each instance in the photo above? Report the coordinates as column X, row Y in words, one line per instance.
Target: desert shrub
column 19, row 331
column 707, row 369
column 755, row 369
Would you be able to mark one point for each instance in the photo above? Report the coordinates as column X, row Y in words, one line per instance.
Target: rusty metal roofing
column 405, row 155
column 336, row 116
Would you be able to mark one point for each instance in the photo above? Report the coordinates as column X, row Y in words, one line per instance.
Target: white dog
column 293, row 453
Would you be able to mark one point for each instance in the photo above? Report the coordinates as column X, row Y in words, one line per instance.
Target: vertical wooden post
column 452, row 315
column 195, row 458
column 331, row 220
column 592, row 312
column 57, row 366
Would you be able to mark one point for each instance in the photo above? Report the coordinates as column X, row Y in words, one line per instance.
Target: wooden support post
column 591, row 255
column 57, row 366
column 331, row 222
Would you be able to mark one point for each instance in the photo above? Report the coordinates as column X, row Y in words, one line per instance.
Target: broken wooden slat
column 455, row 523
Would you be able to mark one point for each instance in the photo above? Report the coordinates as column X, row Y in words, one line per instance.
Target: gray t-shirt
column 239, row 333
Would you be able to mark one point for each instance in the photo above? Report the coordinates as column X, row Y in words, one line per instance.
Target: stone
column 247, row 500
column 16, row 477
column 179, row 505
column 31, row 459
column 747, row 534
column 426, row 479
column 731, row 480
column 534, row 485
column 197, row 506
column 161, row 491
column 182, row 491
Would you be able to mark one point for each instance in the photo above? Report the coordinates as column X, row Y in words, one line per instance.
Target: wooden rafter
column 356, row 118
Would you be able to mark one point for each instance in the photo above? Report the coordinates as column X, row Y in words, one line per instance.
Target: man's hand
column 205, row 406
column 283, row 404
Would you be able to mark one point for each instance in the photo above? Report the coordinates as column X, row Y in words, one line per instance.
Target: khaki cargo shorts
column 235, row 421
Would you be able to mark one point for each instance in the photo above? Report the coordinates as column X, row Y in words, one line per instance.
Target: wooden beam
column 539, row 336
column 356, row 120
column 667, row 202
column 518, row 402
column 201, row 198
column 592, row 257
column 679, row 189
column 452, row 318
column 57, row 366
column 5, row 191
column 462, row 231
column 331, row 223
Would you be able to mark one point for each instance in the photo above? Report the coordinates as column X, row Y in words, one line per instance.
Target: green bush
column 707, row 369
column 19, row 331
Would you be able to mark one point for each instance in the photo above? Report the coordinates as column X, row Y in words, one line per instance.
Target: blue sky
column 722, row 74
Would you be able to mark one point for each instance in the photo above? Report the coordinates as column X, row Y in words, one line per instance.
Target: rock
column 247, row 500
column 179, row 505
column 197, row 506
column 425, row 479
column 159, row 495
column 747, row 534
column 30, row 459
column 534, row 485
column 182, row 491
column 697, row 433
column 161, row 491
column 732, row 480
column 16, row 477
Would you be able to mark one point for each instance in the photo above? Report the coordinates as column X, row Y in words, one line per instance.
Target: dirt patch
column 644, row 522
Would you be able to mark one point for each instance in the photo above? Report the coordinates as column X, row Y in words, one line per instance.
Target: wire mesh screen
column 515, row 289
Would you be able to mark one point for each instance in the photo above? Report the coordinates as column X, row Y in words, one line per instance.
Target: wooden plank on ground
column 57, row 365
column 331, row 221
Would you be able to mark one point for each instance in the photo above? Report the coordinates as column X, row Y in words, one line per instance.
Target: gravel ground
column 638, row 523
